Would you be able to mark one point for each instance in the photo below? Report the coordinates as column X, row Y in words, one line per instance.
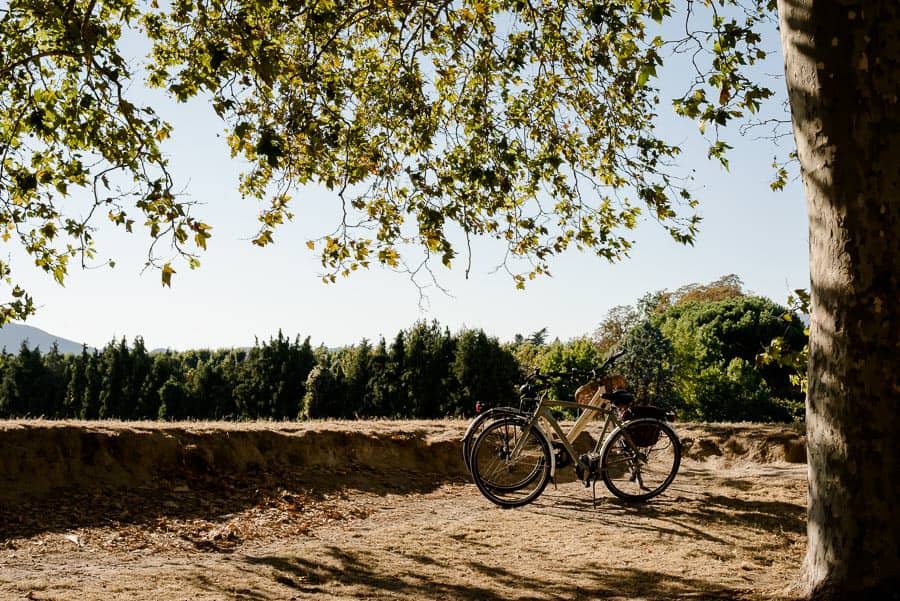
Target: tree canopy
column 716, row 345
column 711, row 351
column 532, row 123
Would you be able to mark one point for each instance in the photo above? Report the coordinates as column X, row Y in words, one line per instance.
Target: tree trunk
column 842, row 61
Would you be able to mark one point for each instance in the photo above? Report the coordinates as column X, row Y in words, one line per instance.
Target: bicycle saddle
column 619, row 398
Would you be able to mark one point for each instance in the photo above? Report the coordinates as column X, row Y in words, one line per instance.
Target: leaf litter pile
column 215, row 514
column 728, row 528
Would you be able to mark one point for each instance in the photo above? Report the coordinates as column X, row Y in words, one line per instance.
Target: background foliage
column 693, row 350
column 426, row 372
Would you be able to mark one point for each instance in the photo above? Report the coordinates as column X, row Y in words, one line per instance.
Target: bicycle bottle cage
column 619, row 398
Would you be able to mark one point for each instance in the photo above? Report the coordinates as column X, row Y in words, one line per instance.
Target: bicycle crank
column 592, row 460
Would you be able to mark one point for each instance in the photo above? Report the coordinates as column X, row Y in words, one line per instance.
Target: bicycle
column 513, row 459
column 533, row 384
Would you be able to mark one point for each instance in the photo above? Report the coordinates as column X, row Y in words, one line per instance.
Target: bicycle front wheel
column 504, row 477
column 640, row 459
column 477, row 426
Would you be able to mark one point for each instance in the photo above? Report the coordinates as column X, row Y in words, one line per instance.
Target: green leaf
column 645, row 73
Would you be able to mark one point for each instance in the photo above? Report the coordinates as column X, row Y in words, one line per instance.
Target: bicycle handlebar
column 537, row 376
column 610, row 360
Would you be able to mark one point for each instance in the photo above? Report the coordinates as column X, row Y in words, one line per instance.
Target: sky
column 241, row 291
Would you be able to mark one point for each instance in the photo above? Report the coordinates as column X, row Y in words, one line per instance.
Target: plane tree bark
column 842, row 61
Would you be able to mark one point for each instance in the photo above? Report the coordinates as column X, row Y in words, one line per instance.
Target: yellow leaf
column 263, row 239
column 167, row 272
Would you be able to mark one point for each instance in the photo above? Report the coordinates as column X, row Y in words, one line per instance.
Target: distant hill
column 12, row 335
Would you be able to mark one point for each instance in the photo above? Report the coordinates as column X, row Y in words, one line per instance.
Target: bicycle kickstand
column 594, row 492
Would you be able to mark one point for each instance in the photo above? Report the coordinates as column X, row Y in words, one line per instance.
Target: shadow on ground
column 357, row 574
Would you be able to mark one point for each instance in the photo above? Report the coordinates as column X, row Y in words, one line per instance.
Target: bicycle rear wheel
column 640, row 459
column 504, row 479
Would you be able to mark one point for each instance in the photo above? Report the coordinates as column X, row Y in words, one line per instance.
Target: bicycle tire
column 473, row 433
column 471, row 436
column 625, row 468
column 528, row 474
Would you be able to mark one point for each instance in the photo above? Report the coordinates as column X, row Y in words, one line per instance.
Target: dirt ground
column 728, row 528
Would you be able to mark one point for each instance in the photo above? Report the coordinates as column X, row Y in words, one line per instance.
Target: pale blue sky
column 242, row 291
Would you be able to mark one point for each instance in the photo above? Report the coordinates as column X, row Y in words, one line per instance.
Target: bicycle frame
column 543, row 412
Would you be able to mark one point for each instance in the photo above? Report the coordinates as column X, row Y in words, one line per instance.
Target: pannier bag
column 645, row 435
